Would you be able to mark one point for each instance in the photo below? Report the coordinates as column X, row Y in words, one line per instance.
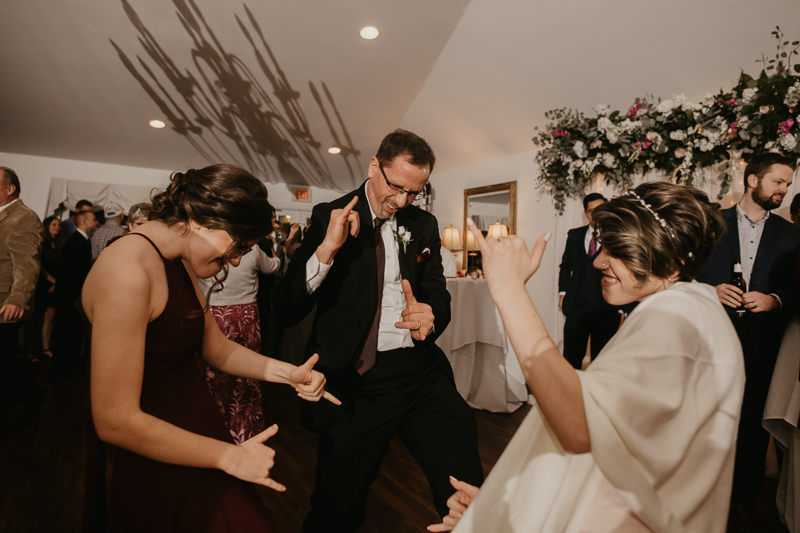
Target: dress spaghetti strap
column 148, row 240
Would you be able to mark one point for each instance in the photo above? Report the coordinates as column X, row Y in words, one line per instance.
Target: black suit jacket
column 76, row 261
column 772, row 274
column 578, row 278
column 347, row 297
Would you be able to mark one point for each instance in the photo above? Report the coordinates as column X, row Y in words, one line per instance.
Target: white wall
column 535, row 216
column 35, row 172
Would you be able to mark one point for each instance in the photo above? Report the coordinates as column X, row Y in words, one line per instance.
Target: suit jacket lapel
column 767, row 243
column 732, row 236
column 366, row 244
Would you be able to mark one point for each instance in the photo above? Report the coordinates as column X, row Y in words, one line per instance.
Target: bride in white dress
column 644, row 439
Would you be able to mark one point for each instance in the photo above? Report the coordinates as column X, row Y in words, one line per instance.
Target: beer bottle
column 738, row 282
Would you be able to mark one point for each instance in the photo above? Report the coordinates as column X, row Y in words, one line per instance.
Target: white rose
column 788, row 141
column 604, row 124
column 665, row 106
column 580, row 149
column 407, row 236
column 609, row 161
column 612, row 136
column 602, row 109
column 401, row 231
column 748, row 94
column 677, row 135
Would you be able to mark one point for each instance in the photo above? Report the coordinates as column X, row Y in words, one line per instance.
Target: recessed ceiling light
column 334, row 150
column 369, row 33
column 157, row 124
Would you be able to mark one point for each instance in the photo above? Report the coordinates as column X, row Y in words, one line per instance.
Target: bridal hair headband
column 655, row 215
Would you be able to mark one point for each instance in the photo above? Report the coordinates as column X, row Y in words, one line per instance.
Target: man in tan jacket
column 21, row 235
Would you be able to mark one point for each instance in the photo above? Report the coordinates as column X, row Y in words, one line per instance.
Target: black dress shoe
column 745, row 519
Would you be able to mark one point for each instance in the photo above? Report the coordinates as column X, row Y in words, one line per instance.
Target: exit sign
column 301, row 195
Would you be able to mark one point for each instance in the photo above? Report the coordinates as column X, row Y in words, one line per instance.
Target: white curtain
column 69, row 192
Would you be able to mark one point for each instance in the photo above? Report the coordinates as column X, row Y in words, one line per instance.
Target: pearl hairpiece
column 655, row 215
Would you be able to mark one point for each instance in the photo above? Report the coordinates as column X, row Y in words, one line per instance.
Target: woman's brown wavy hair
column 631, row 232
column 224, row 197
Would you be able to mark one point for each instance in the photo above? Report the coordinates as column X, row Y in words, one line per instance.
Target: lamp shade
column 498, row 230
column 472, row 244
column 452, row 239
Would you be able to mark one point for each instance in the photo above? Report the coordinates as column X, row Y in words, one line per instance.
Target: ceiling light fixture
column 369, row 33
column 334, row 150
column 157, row 124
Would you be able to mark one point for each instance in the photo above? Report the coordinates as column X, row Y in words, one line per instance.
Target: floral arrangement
column 676, row 136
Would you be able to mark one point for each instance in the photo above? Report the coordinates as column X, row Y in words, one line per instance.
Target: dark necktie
column 366, row 359
column 592, row 248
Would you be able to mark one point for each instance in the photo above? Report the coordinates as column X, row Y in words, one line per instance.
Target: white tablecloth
column 485, row 366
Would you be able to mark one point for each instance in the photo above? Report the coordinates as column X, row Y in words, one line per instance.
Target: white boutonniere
column 402, row 236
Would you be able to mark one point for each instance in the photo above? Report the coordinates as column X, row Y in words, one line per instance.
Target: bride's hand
column 252, row 460
column 508, row 260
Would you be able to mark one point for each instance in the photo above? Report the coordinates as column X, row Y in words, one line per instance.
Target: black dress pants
column 407, row 392
column 601, row 324
column 752, row 439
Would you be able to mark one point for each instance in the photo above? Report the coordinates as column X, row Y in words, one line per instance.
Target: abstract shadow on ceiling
column 230, row 112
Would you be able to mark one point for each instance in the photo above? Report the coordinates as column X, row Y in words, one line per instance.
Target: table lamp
column 498, row 231
column 452, row 239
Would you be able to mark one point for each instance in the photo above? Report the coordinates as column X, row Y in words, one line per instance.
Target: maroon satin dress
column 151, row 496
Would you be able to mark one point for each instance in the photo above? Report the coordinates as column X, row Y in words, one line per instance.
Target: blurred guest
column 45, row 309
column 138, row 214
column 794, row 210
column 110, row 229
column 783, row 410
column 449, row 263
column 76, row 261
column 590, row 320
column 643, row 440
column 68, row 226
column 232, row 301
column 20, row 248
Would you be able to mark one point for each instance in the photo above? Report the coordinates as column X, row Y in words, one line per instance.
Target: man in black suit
column 766, row 244
column 371, row 263
column 76, row 261
column 580, row 295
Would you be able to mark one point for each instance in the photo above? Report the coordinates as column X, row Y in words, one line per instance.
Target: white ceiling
column 472, row 76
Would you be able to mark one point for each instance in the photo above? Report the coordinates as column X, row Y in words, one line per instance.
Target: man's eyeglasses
column 412, row 195
column 237, row 247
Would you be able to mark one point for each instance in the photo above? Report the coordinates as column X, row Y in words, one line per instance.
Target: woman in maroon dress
column 178, row 469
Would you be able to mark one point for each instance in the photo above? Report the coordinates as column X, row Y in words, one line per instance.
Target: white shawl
column 662, row 402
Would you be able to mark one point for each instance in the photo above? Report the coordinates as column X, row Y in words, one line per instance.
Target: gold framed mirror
column 493, row 208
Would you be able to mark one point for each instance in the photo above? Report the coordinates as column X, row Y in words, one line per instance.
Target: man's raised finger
column 409, row 294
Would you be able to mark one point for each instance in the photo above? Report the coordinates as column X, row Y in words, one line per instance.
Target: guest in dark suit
column 68, row 226
column 580, row 295
column 380, row 305
column 766, row 245
column 76, row 261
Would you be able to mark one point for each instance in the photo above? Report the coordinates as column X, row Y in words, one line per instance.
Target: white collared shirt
column 85, row 235
column 8, row 204
column 393, row 301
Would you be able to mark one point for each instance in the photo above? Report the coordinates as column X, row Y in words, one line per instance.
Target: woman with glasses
column 176, row 467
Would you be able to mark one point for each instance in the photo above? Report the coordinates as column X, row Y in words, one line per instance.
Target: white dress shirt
column 393, row 301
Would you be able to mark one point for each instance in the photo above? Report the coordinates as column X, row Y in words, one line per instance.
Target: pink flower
column 784, row 127
column 595, row 145
column 652, row 136
column 734, row 127
column 732, row 101
column 559, row 133
column 680, row 153
column 764, row 109
column 641, row 145
column 634, row 108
